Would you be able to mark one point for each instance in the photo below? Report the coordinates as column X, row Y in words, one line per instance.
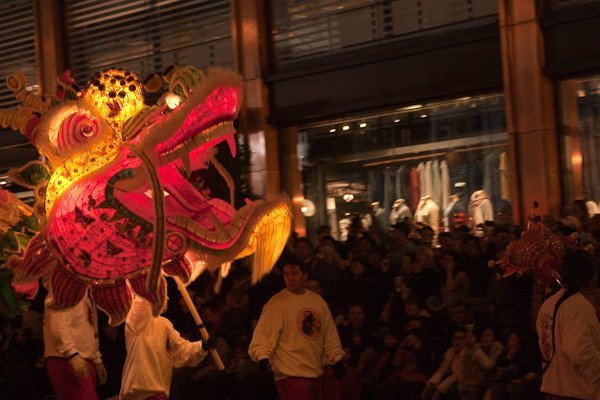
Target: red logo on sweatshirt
column 309, row 323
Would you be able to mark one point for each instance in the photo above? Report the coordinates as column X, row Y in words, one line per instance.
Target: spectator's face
column 412, row 341
column 356, row 315
column 423, row 256
column 390, row 340
column 487, row 338
column 470, row 249
column 295, row 279
column 322, row 233
column 326, row 241
column 302, row 250
column 411, row 309
column 406, row 263
column 426, row 236
column 314, row 286
column 328, row 253
column 458, row 315
column 513, row 343
column 374, row 259
column 445, row 242
column 357, row 268
column 398, row 237
column 384, row 264
column 364, row 246
column 399, row 282
column 458, row 339
column 447, row 260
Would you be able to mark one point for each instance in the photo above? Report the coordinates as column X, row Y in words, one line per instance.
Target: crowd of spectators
column 421, row 315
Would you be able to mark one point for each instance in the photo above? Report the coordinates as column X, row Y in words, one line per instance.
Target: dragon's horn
column 17, row 120
column 25, row 117
column 17, row 83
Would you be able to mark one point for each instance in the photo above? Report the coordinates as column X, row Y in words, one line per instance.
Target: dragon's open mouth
column 212, row 225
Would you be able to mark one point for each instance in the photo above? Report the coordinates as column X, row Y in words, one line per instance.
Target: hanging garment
column 421, row 171
column 436, row 182
column 474, row 173
column 402, row 184
column 414, row 188
column 427, row 173
column 491, row 178
column 389, row 190
column 375, row 186
column 445, row 178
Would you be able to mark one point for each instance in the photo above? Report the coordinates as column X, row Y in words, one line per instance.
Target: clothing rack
column 433, row 155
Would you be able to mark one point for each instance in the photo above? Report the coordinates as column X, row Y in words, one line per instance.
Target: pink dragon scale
column 116, row 209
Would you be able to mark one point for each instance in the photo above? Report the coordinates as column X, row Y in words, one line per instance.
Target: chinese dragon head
column 538, row 253
column 116, row 208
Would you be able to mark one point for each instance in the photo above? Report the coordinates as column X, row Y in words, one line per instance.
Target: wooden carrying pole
column 199, row 323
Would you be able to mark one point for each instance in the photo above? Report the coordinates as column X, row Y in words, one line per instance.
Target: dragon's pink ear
column 152, row 83
column 179, row 267
column 65, row 291
column 66, row 77
column 157, row 299
column 114, row 300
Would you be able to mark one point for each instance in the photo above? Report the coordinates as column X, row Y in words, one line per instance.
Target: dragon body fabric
column 116, row 209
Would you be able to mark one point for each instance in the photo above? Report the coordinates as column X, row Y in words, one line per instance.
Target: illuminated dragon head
column 113, row 196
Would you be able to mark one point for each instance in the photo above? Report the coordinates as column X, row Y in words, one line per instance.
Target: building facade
column 359, row 103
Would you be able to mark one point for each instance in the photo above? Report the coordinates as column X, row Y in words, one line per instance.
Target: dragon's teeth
column 232, row 145
column 184, row 155
column 219, row 228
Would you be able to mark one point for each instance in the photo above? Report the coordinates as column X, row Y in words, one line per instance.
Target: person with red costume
column 71, row 350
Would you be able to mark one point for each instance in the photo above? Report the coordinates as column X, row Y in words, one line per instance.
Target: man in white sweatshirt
column 569, row 333
column 154, row 348
column 295, row 336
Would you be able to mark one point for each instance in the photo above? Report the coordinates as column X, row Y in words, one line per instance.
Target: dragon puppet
column 116, row 208
column 538, row 252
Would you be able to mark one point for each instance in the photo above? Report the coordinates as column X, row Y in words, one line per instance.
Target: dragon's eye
column 87, row 129
column 76, row 130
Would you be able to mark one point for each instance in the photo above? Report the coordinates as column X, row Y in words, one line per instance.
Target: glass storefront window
column 581, row 141
column 452, row 154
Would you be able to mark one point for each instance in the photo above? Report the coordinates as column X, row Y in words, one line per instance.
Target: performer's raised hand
column 101, row 374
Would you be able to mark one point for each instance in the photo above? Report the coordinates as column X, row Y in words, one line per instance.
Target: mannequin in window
column 428, row 213
column 400, row 212
column 592, row 208
column 455, row 206
column 378, row 214
column 480, row 208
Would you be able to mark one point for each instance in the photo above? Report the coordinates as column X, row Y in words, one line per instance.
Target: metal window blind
column 304, row 28
column 146, row 36
column 17, row 53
